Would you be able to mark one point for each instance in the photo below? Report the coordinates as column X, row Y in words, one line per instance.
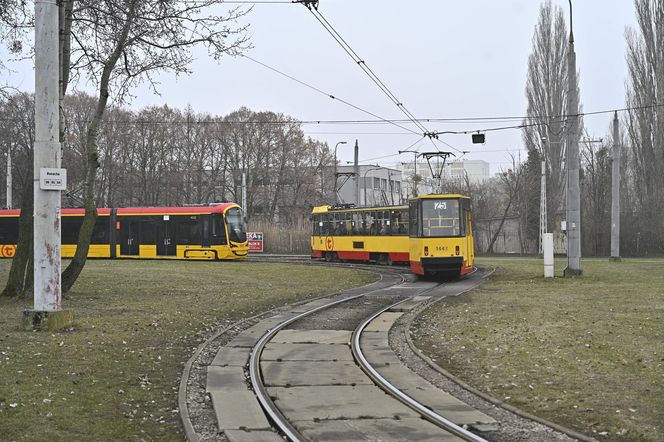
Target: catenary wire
column 333, row 97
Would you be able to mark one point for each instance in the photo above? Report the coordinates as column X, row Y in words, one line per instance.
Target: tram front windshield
column 237, row 230
column 440, row 218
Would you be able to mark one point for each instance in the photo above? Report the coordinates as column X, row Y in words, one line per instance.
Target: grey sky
column 441, row 58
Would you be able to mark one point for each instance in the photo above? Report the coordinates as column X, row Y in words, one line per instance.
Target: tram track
column 308, row 317
column 389, row 287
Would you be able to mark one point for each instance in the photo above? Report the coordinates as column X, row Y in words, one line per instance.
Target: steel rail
column 407, row 400
column 254, row 365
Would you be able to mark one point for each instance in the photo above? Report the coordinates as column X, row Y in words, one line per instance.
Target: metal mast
column 543, row 217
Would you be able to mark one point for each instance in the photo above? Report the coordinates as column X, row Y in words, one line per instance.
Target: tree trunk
column 75, row 267
column 19, row 282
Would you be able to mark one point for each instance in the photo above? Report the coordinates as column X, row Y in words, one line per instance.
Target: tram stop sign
column 255, row 241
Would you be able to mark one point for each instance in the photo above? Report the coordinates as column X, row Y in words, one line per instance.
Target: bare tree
column 546, row 91
column 645, row 123
column 118, row 44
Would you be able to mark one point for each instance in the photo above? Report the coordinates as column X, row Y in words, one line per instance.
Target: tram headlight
column 426, row 250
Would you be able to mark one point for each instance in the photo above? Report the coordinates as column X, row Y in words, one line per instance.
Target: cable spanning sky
column 443, row 59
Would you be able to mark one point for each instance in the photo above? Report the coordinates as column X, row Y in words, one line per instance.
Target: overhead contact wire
column 362, row 64
column 333, row 97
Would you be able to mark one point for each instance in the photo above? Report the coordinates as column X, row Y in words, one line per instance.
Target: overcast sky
column 441, row 58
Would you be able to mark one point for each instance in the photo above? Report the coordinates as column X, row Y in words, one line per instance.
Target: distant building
column 379, row 186
column 478, row 171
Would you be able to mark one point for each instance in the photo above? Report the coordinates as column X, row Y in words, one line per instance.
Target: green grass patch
column 115, row 375
column 586, row 352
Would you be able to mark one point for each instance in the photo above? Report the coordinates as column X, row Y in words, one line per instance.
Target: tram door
column 129, row 237
column 166, row 244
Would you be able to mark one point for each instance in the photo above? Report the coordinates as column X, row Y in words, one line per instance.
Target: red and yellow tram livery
column 433, row 234
column 215, row 232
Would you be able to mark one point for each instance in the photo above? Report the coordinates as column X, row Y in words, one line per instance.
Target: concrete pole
column 615, row 192
column 47, row 282
column 356, row 173
column 9, row 177
column 244, row 192
column 573, row 188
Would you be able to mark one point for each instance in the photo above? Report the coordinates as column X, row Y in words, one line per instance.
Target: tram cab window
column 218, row 230
column 237, row 229
column 441, row 218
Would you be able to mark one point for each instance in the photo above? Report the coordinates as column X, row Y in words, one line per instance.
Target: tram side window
column 188, row 230
column 399, row 222
column 317, row 224
column 8, row 230
column 100, row 233
column 218, row 230
column 327, row 224
column 388, row 228
column 71, row 225
column 340, row 222
column 412, row 219
column 148, row 229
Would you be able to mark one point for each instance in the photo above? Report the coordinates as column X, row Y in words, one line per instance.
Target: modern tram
column 433, row 234
column 215, row 232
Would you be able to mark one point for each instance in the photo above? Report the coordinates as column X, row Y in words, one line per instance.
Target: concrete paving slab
column 438, row 400
column 384, row 322
column 232, row 356
column 252, row 436
column 421, row 298
column 313, row 337
column 238, row 410
column 337, row 402
column 225, row 379
column 374, row 430
column 300, row 373
column 306, row 352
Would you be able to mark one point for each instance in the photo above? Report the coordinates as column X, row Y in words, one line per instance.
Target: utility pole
column 615, row 192
column 543, row 217
column 414, row 169
column 356, row 172
column 573, row 188
column 49, row 179
column 9, row 177
column 336, row 172
column 244, row 192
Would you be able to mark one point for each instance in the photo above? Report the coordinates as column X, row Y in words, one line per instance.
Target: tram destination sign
column 255, row 241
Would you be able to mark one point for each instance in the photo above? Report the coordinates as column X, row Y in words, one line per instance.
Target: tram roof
column 324, row 209
column 184, row 210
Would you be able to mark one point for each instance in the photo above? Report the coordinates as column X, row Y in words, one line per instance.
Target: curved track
column 402, row 412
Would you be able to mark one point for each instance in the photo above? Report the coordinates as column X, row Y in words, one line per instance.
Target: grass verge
column 586, row 352
column 115, row 375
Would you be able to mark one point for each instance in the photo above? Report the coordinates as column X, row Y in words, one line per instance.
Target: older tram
column 215, row 232
column 433, row 234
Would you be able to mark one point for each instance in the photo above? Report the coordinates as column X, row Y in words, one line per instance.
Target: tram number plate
column 441, row 249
